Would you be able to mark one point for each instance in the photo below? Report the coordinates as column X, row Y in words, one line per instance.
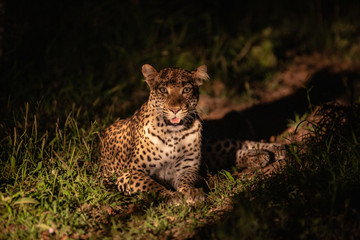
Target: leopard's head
column 174, row 92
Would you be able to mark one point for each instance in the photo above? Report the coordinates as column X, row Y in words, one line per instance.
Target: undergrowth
column 315, row 196
column 51, row 186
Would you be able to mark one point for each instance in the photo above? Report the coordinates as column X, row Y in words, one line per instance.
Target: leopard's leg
column 132, row 181
column 185, row 181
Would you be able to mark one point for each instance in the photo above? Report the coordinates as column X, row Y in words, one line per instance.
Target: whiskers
column 191, row 115
column 202, row 112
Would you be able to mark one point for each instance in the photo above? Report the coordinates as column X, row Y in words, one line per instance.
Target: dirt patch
column 309, row 81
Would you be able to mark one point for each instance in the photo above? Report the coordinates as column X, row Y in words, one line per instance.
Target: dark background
column 90, row 53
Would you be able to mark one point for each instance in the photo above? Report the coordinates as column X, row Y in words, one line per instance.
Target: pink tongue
column 175, row 120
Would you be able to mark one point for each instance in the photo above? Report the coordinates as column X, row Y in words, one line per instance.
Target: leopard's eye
column 163, row 90
column 187, row 89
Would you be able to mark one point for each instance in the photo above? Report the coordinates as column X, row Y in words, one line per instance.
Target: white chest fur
column 171, row 147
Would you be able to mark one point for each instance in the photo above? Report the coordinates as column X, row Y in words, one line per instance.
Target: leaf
column 229, row 176
column 26, row 200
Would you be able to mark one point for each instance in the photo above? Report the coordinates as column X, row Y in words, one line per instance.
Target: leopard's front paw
column 194, row 196
column 175, row 198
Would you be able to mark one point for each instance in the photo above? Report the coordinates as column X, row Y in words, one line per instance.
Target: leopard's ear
column 201, row 75
column 149, row 73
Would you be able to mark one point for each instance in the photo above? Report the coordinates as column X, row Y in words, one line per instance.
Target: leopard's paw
column 194, row 196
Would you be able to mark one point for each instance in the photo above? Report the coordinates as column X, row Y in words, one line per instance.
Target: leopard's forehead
column 175, row 76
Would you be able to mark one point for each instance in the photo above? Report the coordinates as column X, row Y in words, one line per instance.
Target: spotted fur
column 161, row 142
column 225, row 153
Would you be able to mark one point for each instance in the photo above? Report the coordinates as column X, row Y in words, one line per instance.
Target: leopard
column 162, row 142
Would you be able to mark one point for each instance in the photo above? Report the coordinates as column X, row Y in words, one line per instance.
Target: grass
column 315, row 196
column 51, row 187
column 69, row 70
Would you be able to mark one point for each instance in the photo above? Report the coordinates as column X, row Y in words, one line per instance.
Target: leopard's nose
column 175, row 110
